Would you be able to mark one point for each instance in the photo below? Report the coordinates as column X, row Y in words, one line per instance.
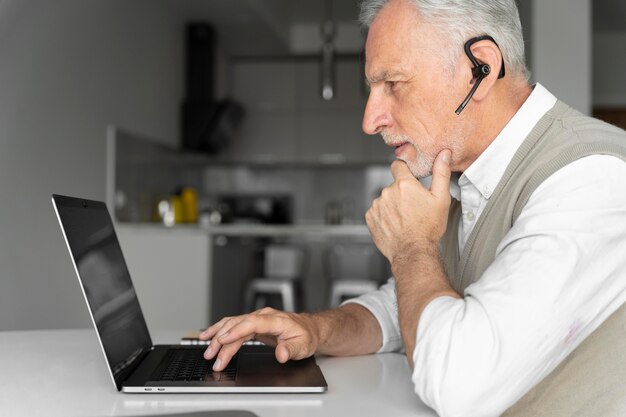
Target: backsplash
column 321, row 194
column 145, row 172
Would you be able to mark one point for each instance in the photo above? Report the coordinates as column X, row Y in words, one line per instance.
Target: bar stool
column 354, row 269
column 282, row 270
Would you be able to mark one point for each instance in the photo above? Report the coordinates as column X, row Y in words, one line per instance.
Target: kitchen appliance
column 256, row 208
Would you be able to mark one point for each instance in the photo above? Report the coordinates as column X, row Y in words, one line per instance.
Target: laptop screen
column 105, row 280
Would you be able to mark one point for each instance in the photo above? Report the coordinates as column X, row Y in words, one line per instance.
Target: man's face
column 412, row 98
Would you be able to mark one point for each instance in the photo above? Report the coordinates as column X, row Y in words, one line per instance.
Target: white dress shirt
column 558, row 274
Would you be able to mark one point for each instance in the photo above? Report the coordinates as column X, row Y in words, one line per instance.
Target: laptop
column 135, row 364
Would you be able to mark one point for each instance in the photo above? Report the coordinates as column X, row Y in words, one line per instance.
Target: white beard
column 422, row 166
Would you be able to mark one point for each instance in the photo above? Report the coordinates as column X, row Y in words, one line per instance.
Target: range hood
column 208, row 124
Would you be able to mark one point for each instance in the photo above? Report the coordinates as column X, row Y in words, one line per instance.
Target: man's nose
column 376, row 116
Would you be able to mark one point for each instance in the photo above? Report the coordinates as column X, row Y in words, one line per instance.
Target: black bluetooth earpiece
column 480, row 71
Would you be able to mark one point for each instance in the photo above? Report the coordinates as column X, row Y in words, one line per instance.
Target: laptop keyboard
column 188, row 364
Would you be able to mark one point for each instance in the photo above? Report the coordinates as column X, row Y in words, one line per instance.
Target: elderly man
column 507, row 297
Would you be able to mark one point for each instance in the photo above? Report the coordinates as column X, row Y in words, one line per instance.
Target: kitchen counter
column 258, row 230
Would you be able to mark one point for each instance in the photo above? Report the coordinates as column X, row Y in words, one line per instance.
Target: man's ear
column 485, row 52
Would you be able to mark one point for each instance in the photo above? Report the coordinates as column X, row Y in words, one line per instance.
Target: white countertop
column 356, row 230
column 63, row 373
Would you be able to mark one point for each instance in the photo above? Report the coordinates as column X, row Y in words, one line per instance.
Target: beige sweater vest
column 591, row 381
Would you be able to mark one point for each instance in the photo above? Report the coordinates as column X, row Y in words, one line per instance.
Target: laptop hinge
column 129, row 366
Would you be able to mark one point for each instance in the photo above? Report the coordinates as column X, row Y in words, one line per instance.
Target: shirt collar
column 486, row 171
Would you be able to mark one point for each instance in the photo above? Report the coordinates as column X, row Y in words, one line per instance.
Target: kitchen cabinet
column 287, row 121
column 170, row 272
column 265, row 136
column 234, row 261
column 266, row 91
column 330, row 131
column 330, row 137
column 264, row 85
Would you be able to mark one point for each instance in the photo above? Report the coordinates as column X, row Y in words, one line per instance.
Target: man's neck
column 492, row 115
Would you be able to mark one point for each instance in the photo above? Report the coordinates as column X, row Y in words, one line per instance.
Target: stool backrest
column 354, row 261
column 283, row 261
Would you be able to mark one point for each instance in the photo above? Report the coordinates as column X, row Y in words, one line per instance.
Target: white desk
column 63, row 373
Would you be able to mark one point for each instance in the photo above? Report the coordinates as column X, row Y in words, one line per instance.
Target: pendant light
column 328, row 32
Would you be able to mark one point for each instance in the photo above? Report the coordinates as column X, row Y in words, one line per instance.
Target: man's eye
column 391, row 84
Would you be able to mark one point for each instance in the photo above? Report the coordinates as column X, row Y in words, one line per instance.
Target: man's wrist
column 348, row 330
column 311, row 322
column 415, row 253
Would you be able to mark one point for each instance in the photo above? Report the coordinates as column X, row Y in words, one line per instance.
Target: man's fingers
column 226, row 354
column 216, row 333
column 252, row 325
column 212, row 350
column 232, row 330
column 440, row 186
column 209, row 332
column 245, row 328
column 399, row 170
column 213, row 329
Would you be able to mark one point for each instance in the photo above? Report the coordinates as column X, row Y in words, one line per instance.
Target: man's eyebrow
column 383, row 76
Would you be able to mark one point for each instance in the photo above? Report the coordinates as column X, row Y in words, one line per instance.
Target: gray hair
column 460, row 20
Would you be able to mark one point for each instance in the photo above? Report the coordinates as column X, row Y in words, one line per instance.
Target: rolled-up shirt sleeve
column 557, row 275
column 384, row 306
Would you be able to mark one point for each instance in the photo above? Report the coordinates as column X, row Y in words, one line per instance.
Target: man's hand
column 347, row 330
column 295, row 336
column 406, row 222
column 408, row 217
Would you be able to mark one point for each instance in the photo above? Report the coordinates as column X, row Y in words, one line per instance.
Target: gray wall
column 70, row 67
column 609, row 69
column 67, row 69
column 561, row 41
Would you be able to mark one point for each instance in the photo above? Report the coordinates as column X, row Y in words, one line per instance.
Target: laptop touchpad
column 258, row 362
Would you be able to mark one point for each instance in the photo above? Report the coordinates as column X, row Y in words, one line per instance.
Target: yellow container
column 189, row 198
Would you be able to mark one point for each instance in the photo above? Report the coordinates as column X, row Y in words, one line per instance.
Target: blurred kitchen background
column 216, row 131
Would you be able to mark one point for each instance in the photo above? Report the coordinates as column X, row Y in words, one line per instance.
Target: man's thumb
column 283, row 352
